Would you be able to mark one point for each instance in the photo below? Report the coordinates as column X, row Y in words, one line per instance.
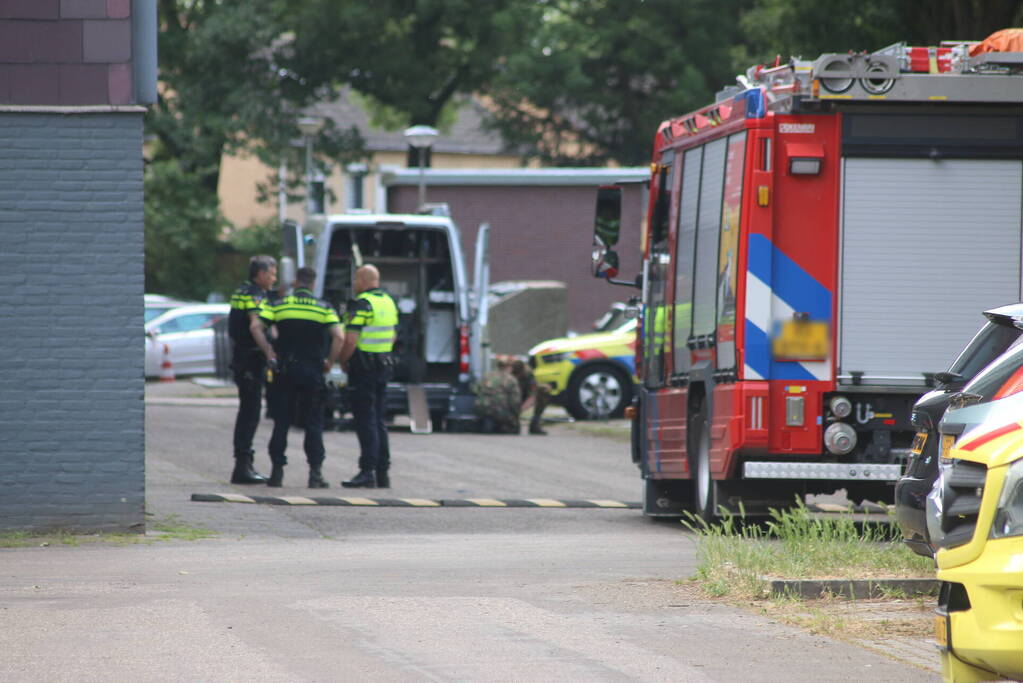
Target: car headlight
column 554, row 357
column 1009, row 514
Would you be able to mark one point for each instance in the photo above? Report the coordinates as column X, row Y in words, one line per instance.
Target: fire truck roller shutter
column 926, row 245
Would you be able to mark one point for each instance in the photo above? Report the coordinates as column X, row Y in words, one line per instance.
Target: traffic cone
column 166, row 369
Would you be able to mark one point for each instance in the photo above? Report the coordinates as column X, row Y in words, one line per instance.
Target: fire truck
column 816, row 245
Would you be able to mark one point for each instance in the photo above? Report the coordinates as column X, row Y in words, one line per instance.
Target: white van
column 440, row 346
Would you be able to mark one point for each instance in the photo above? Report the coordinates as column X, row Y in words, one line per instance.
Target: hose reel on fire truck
column 875, row 73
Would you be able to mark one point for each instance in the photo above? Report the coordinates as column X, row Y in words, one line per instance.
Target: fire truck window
column 727, row 276
column 708, row 229
column 686, row 257
column 765, row 154
column 657, row 317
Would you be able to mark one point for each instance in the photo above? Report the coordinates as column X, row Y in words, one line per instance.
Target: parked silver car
column 187, row 332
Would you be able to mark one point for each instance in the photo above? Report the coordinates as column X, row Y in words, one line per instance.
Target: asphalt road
column 312, row 593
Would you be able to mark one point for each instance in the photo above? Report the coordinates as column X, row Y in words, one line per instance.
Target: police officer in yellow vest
column 304, row 326
column 370, row 331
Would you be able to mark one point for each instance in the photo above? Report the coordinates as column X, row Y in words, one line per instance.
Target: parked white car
column 158, row 303
column 187, row 331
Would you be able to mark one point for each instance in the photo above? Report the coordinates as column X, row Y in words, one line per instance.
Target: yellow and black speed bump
column 354, row 501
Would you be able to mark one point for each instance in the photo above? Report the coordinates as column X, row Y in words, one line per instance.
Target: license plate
column 802, row 340
column 947, row 441
column 918, row 442
column 941, row 631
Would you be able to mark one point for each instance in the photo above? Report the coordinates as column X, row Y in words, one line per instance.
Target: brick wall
column 71, row 351
column 65, row 52
column 539, row 233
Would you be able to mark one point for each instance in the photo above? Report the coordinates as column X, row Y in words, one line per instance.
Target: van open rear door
column 479, row 345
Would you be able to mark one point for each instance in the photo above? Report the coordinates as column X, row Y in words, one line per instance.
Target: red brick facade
column 65, row 52
column 539, row 233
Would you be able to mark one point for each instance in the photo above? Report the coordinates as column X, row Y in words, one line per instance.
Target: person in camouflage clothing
column 498, row 399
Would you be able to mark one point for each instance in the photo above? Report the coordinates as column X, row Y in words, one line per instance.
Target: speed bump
column 412, row 502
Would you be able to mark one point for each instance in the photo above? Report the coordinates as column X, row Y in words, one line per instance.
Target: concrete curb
column 356, row 501
column 855, row 589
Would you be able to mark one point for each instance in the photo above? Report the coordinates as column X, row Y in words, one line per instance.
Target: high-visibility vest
column 378, row 332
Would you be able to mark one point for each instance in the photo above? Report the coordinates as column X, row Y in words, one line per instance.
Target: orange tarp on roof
column 1006, row 40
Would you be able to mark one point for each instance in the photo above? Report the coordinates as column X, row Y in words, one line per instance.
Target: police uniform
column 303, row 323
column 375, row 317
column 248, row 365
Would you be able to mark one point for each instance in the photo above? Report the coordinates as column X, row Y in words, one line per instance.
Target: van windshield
column 989, row 342
column 990, row 380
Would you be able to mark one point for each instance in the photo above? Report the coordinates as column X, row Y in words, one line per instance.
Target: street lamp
column 421, row 137
column 310, row 126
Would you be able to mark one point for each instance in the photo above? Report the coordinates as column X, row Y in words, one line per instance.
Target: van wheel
column 598, row 391
column 704, row 486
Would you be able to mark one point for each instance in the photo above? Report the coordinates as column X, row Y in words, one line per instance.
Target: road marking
column 298, row 500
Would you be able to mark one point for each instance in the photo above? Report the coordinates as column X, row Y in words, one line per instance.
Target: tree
column 809, row 28
column 412, row 56
column 221, row 91
column 596, row 77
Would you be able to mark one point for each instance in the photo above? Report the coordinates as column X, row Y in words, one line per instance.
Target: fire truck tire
column 704, row 486
column 598, row 391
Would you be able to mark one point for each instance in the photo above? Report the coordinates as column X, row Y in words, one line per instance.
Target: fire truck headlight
column 839, row 438
column 841, row 407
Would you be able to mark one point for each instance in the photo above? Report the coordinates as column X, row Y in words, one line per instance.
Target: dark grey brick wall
column 71, row 352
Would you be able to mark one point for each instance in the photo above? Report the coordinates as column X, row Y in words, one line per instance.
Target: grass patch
column 166, row 529
column 735, row 557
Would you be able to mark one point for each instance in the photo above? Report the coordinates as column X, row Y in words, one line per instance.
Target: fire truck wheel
column 704, row 486
column 598, row 391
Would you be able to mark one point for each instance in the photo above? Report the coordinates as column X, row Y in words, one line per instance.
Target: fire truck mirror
column 605, row 263
column 608, row 222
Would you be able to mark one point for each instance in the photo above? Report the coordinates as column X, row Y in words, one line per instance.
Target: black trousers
column 248, row 376
column 369, row 389
column 299, row 390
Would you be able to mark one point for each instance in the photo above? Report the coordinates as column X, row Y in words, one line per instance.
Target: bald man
column 370, row 330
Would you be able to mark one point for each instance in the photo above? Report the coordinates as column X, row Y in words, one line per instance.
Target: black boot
column 366, row 479
column 243, row 472
column 276, row 477
column 383, row 480
column 316, row 480
column 534, row 426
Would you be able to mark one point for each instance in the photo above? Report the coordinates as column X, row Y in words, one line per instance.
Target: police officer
column 304, row 325
column 369, row 337
column 248, row 365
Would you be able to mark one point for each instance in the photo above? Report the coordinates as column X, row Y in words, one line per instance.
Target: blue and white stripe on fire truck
column 776, row 287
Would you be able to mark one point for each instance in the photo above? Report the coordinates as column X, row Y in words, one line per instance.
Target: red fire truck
column 817, row 244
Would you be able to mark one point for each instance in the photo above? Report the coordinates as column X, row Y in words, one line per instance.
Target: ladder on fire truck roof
column 896, row 73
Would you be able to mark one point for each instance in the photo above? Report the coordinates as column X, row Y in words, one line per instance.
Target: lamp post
column 421, row 137
column 310, row 126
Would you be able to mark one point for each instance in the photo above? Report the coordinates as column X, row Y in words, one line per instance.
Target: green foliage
column 182, row 225
column 596, row 78
column 735, row 556
column 411, row 55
